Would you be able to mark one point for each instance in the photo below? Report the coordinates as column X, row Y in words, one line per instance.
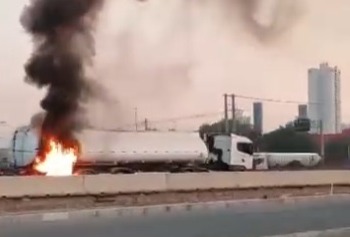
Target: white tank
column 284, row 159
column 141, row 146
column 104, row 146
column 324, row 98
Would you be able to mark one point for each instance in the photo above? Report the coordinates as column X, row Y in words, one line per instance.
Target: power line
column 177, row 119
column 204, row 115
column 174, row 119
column 210, row 114
column 273, row 100
column 188, row 117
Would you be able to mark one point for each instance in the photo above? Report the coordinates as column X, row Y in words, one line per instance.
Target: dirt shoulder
column 8, row 206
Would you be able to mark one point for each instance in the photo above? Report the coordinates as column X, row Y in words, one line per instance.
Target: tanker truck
column 149, row 151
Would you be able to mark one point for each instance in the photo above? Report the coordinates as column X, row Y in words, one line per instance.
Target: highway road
column 260, row 219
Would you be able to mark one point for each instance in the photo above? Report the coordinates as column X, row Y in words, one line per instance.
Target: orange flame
column 58, row 160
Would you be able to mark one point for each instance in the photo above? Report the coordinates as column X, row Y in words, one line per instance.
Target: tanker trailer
column 289, row 161
column 127, row 152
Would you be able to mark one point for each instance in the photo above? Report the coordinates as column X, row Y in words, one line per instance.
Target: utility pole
column 226, row 113
column 233, row 101
column 146, row 125
column 136, row 128
column 322, row 151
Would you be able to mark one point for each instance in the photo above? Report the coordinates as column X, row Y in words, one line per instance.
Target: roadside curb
column 322, row 233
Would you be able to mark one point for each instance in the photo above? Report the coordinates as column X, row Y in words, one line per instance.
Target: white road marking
column 55, row 216
column 321, row 233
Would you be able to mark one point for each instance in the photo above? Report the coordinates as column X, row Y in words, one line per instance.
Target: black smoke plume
column 62, row 32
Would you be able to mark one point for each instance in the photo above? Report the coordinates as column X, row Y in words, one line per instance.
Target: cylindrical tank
column 141, row 146
column 285, row 159
column 104, row 146
column 324, row 98
column 23, row 146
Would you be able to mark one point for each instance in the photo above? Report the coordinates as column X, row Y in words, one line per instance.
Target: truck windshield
column 245, row 147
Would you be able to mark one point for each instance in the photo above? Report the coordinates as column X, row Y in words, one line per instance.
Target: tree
column 241, row 128
column 283, row 139
column 302, row 125
column 286, row 139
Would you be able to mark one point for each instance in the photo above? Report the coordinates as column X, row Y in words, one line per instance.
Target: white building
column 324, row 98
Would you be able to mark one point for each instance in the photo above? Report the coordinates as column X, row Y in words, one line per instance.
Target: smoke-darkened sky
column 142, row 45
column 63, row 38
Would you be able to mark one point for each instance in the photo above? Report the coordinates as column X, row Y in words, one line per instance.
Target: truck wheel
column 119, row 170
column 86, row 172
column 186, row 170
column 295, row 165
column 202, row 170
column 238, row 168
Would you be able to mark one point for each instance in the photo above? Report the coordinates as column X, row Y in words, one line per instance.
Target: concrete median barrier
column 127, row 183
column 161, row 182
column 41, row 186
column 287, row 178
column 291, row 178
column 216, row 180
column 200, row 181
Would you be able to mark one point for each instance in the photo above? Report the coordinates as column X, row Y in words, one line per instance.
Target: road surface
column 245, row 221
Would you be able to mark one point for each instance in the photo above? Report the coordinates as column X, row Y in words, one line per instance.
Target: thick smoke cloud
column 281, row 16
column 62, row 32
column 158, row 50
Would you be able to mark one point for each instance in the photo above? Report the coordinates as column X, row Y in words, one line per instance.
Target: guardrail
column 34, row 186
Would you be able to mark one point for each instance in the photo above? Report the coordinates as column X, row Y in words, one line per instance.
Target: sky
column 171, row 60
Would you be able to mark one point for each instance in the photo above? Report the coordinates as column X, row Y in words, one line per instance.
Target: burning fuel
column 62, row 32
column 59, row 161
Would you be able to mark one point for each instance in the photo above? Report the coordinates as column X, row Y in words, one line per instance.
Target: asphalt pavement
column 246, row 221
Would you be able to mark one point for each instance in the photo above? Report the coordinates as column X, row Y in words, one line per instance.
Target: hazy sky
column 140, row 45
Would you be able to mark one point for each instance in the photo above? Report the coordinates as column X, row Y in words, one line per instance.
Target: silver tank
column 284, row 159
column 104, row 146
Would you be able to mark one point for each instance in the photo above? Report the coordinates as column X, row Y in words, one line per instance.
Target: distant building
column 324, row 98
column 345, row 126
column 258, row 117
column 302, row 111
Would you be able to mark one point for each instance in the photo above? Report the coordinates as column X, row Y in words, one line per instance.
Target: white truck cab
column 235, row 152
